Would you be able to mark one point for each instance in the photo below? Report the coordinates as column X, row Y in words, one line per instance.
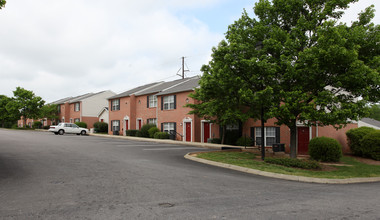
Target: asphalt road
column 45, row 176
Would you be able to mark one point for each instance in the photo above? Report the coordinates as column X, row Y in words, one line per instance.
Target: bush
column 325, row 149
column 354, row 137
column 14, row 126
column 371, row 145
column 81, row 124
column 37, row 124
column 292, row 162
column 131, row 132
column 152, row 131
column 46, row 127
column 145, row 129
column 161, row 135
column 101, row 127
column 244, row 141
column 139, row 134
column 215, row 140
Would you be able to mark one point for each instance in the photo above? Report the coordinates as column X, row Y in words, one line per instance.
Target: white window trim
column 266, row 136
column 77, row 107
column 152, row 101
column 125, row 125
column 168, row 102
column 113, row 104
column 137, row 123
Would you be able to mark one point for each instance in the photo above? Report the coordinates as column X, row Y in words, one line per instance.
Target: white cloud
column 61, row 48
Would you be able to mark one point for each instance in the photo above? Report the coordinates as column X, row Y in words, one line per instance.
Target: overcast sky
column 67, row 48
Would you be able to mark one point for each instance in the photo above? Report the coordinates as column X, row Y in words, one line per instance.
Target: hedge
column 100, row 127
column 325, row 149
column 244, row 141
column 81, row 124
column 371, row 145
column 145, row 129
column 131, row 132
column 293, row 162
column 152, row 131
column 354, row 137
column 161, row 135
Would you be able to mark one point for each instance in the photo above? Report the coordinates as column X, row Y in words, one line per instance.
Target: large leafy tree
column 25, row 104
column 374, row 112
column 49, row 111
column 2, row 3
column 297, row 61
column 6, row 117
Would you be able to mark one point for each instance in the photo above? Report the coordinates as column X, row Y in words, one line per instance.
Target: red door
column 126, row 125
column 139, row 124
column 206, row 131
column 188, row 131
column 303, row 140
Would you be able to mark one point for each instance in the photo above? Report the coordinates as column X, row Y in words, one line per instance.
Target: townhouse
column 84, row 108
column 162, row 104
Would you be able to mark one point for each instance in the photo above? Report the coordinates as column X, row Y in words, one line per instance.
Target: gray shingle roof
column 134, row 90
column 160, row 87
column 371, row 121
column 188, row 84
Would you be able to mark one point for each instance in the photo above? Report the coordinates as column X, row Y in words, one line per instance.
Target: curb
column 283, row 176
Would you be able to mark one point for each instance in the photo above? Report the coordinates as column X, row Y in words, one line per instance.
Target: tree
column 6, row 117
column 374, row 112
column 49, row 111
column 307, row 68
column 2, row 3
column 25, row 104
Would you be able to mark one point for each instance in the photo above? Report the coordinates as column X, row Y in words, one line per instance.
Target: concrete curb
column 283, row 176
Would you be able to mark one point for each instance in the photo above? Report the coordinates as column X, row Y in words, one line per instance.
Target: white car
column 69, row 128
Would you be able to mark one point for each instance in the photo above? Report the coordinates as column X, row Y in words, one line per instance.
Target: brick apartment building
column 162, row 103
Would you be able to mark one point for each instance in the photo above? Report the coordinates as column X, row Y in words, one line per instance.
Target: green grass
column 245, row 159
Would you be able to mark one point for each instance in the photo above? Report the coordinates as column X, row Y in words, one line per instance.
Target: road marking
column 171, row 148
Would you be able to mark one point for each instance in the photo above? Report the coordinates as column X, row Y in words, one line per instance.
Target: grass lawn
column 353, row 169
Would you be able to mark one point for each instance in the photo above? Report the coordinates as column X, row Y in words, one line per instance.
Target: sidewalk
column 192, row 156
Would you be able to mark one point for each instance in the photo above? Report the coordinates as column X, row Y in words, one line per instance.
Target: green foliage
column 139, row 133
column 293, row 162
column 161, row 135
column 100, row 127
column 371, row 145
column 81, row 124
column 145, row 129
column 374, row 112
column 25, row 104
column 49, row 112
column 131, row 132
column 152, row 131
column 2, row 3
column 216, row 141
column 244, row 141
column 37, row 125
column 355, row 136
column 325, row 149
column 7, row 118
column 46, row 127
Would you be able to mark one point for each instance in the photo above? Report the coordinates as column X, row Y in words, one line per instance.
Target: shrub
column 215, row 140
column 100, row 127
column 325, row 149
column 130, row 132
column 161, row 135
column 152, row 131
column 81, row 124
column 14, row 126
column 46, row 127
column 354, row 137
column 37, row 124
column 139, row 134
column 145, row 129
column 244, row 141
column 371, row 145
column 293, row 162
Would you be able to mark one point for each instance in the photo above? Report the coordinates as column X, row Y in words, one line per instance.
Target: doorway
column 303, row 138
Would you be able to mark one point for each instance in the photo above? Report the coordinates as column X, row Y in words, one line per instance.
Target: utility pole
column 183, row 68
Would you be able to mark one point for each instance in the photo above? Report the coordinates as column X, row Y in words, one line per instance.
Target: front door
column 126, row 125
column 188, row 131
column 139, row 121
column 303, row 139
column 206, row 131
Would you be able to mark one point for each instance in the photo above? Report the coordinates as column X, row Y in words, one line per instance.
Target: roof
column 134, row 90
column 76, row 98
column 160, row 87
column 188, row 84
column 62, row 101
column 371, row 121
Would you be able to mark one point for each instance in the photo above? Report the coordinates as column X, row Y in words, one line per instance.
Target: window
column 152, row 101
column 169, row 102
column 59, row 109
column 77, row 107
column 115, row 125
column 76, row 120
column 271, row 135
column 152, row 121
column 167, row 127
column 115, row 104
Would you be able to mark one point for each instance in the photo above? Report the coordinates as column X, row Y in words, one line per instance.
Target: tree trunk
column 293, row 140
column 224, row 133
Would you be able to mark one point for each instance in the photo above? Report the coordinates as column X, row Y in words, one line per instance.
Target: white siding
column 91, row 106
column 105, row 116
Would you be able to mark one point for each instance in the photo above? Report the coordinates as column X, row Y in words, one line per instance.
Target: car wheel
column 83, row 132
column 61, row 132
